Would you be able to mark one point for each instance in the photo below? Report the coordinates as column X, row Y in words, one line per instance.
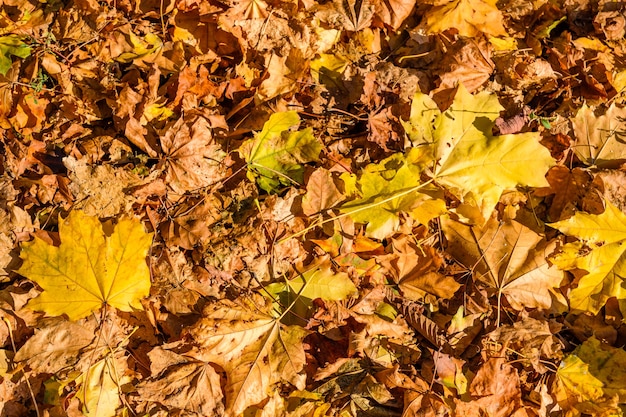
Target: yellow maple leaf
column 469, row 17
column 601, row 251
column 89, row 269
column 473, row 164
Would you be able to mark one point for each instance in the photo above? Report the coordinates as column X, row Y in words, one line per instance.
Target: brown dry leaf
column 600, row 138
column 463, row 329
column 14, row 223
column 419, row 399
column 321, row 193
column 190, row 223
column 99, row 190
column 495, row 391
column 353, row 15
column 379, row 332
column 509, row 258
column 533, row 340
column 415, row 270
column 29, row 113
column 450, row 372
column 394, row 12
column 469, row 63
column 383, row 129
column 6, row 93
column 284, row 74
column 183, row 383
column 255, row 349
column 614, row 184
column 193, row 158
column 195, row 88
column 569, row 187
column 55, row 347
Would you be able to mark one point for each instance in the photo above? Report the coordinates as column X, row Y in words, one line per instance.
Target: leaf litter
column 337, row 208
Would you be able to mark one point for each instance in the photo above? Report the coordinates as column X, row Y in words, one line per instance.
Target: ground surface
column 312, row 208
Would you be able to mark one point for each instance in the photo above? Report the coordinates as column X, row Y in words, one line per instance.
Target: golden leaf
column 89, row 269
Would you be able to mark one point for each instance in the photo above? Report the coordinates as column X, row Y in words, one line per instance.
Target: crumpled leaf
column 394, row 12
column 592, row 380
column 508, row 257
column 494, row 391
column 89, row 269
column 55, row 347
column 390, row 188
column 568, row 187
column 600, row 139
column 254, row 349
column 193, row 159
column 98, row 189
column 532, row 339
column 601, row 252
column 469, row 17
column 283, row 73
column 416, row 271
column 474, row 165
column 275, row 154
column 185, row 384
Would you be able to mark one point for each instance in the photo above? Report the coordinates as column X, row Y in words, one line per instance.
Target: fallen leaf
column 533, row 340
column 254, row 349
column 474, row 165
column 569, row 187
column 89, row 269
column 416, row 271
column 509, row 258
column 321, row 282
column 600, row 137
column 591, row 380
column 56, row 347
column 469, row 17
column 469, row 64
column 390, row 188
column 284, row 72
column 98, row 189
column 321, row 193
column 494, row 391
column 275, row 154
column 317, row 281
column 601, row 252
column 11, row 45
column 193, row 159
column 354, row 16
column 185, row 384
column 394, row 12
column 100, row 386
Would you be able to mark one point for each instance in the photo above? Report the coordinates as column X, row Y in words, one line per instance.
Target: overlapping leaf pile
column 351, row 208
